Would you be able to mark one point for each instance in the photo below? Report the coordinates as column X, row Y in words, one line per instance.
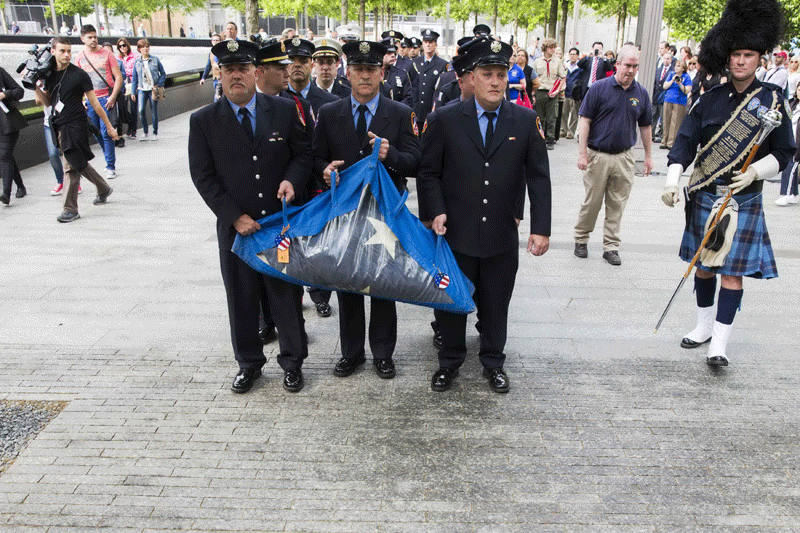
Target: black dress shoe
column 21, row 192
column 244, row 380
column 438, row 342
column 66, row 216
column 498, row 379
column 102, row 198
column 384, row 368
column 267, row 335
column 717, row 360
column 443, row 379
column 5, row 199
column 612, row 257
column 293, row 379
column 688, row 343
column 581, row 250
column 323, row 309
column 345, row 366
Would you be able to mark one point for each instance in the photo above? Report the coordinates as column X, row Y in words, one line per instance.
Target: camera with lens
column 38, row 67
column 677, row 79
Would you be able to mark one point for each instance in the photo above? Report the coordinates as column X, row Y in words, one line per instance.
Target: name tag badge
column 59, row 107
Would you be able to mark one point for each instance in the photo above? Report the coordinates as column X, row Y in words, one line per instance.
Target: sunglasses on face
column 122, row 45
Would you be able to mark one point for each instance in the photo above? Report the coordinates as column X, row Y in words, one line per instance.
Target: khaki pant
column 673, row 115
column 609, row 177
column 569, row 118
column 72, row 180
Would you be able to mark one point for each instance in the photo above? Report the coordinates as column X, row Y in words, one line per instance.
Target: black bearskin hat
column 744, row 25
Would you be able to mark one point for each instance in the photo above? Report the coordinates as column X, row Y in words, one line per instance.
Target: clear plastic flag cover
column 360, row 237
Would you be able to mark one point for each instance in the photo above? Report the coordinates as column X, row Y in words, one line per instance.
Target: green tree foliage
column 690, row 19
column 74, row 7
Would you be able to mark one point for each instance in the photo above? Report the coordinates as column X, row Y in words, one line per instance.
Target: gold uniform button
column 264, row 213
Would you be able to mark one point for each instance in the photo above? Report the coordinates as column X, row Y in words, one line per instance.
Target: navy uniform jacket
column 313, row 186
column 335, row 138
column 479, row 189
column 425, row 85
column 316, row 97
column 236, row 176
column 406, row 63
column 341, row 87
column 397, row 86
column 447, row 93
column 713, row 110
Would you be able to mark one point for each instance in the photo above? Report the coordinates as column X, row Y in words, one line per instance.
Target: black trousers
column 8, row 165
column 266, row 321
column 243, row 287
column 318, row 295
column 352, row 322
column 657, row 124
column 494, row 279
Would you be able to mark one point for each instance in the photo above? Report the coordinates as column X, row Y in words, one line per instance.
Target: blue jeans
column 53, row 153
column 144, row 97
column 107, row 142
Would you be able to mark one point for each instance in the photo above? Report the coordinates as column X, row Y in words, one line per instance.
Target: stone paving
column 608, row 426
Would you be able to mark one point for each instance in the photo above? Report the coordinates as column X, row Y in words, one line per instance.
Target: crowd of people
column 442, row 122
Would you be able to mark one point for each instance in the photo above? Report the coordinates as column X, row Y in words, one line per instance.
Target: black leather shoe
column 5, row 199
column 612, row 257
column 293, row 380
column 267, row 335
column 244, row 380
column 581, row 250
column 21, row 192
column 443, row 379
column 384, row 368
column 498, row 379
column 688, row 343
column 102, row 198
column 345, row 366
column 323, row 309
column 66, row 216
column 717, row 360
column 438, row 342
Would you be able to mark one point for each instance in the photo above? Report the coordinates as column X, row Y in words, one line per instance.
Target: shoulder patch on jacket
column 539, row 127
column 414, row 124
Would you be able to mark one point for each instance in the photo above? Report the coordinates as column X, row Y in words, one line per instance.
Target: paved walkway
column 608, row 427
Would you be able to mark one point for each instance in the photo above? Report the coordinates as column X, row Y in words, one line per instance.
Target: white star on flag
column 383, row 235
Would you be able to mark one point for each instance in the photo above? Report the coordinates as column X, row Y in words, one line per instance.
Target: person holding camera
column 64, row 89
column 11, row 122
column 676, row 101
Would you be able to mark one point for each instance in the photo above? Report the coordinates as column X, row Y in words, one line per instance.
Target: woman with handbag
column 11, row 122
column 128, row 58
column 148, row 86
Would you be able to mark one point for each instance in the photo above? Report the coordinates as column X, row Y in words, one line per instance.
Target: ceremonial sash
column 729, row 147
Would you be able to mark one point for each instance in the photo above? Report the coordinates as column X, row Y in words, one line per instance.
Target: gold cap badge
column 364, row 47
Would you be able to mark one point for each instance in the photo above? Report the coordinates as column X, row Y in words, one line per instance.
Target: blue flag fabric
column 360, row 237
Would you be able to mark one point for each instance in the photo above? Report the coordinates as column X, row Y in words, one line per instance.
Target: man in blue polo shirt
column 610, row 113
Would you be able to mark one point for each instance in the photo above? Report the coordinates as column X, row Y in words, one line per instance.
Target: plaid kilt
column 751, row 252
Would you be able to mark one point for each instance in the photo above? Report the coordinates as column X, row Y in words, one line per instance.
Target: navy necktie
column 248, row 127
column 361, row 127
column 489, row 129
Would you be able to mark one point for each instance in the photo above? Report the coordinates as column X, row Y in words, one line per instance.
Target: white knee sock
column 705, row 321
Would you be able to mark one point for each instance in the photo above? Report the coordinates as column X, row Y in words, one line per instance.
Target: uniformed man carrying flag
column 717, row 136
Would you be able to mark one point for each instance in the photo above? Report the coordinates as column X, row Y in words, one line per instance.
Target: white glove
column 671, row 196
column 763, row 168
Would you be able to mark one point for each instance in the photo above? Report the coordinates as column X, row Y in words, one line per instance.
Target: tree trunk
column 3, row 21
column 150, row 19
column 619, row 30
column 375, row 20
column 562, row 35
column 343, row 10
column 622, row 29
column 169, row 20
column 476, row 18
column 553, row 19
column 362, row 16
column 494, row 18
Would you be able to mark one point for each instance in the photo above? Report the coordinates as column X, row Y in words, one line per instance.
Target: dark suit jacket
column 13, row 120
column 313, row 186
column 425, row 85
column 316, row 97
column 397, row 86
column 658, row 83
column 335, row 138
column 236, row 176
column 585, row 64
column 341, row 88
column 479, row 189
